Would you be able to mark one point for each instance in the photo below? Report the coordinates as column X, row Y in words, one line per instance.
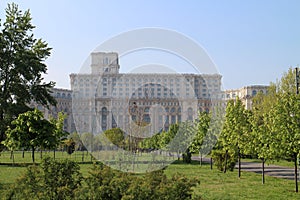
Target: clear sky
column 250, row 41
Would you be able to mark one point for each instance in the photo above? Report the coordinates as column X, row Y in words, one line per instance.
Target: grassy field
column 214, row 184
column 217, row 185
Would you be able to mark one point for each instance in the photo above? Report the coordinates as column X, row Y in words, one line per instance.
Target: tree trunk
column 23, row 153
column 211, row 163
column 263, row 170
column 32, row 154
column 12, row 156
column 296, row 172
column 225, row 166
column 2, row 131
column 239, row 163
column 41, row 154
column 200, row 156
column 54, row 154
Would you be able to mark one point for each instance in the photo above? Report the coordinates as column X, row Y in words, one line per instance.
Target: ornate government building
column 155, row 99
column 106, row 98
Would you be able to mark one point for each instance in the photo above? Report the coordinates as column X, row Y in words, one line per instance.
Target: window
column 104, row 118
column 173, row 119
column 179, row 118
column 173, row 110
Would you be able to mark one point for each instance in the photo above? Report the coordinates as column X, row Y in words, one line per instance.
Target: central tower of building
column 104, row 63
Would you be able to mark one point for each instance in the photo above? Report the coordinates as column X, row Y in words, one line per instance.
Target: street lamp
column 297, row 80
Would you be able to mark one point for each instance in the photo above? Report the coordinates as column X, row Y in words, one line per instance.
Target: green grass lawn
column 213, row 184
column 217, row 185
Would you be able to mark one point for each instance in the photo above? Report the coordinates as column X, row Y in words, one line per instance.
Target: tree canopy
column 33, row 131
column 22, row 65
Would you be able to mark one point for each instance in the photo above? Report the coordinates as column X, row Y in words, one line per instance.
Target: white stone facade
column 246, row 93
column 114, row 99
column 64, row 104
column 105, row 98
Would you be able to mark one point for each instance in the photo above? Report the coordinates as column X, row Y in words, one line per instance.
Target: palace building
column 160, row 99
column 104, row 98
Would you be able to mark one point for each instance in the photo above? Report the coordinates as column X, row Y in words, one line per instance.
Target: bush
column 105, row 183
column 51, row 180
column 187, row 156
column 218, row 157
column 62, row 180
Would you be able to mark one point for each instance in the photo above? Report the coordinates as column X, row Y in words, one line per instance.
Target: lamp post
column 297, row 92
column 297, row 80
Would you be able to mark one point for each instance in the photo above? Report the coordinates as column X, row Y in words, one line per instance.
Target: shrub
column 219, row 159
column 105, row 183
column 61, row 180
column 51, row 180
column 187, row 156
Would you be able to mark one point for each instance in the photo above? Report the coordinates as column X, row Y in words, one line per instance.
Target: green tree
column 21, row 67
column 261, row 142
column 202, row 127
column 284, row 119
column 287, row 83
column 31, row 131
column 286, row 128
column 116, row 136
column 166, row 137
column 76, row 138
column 215, row 121
column 59, row 131
column 235, row 130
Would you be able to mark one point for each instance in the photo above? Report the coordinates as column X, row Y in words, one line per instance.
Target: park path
column 270, row 170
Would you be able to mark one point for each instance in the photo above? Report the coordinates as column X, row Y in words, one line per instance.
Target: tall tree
column 217, row 115
column 286, row 116
column 235, row 130
column 261, row 142
column 202, row 127
column 21, row 67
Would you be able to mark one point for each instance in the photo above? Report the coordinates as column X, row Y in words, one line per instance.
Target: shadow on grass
column 193, row 162
column 29, row 164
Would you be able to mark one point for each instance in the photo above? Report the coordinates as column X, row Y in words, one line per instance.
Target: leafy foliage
column 224, row 160
column 104, row 183
column 51, row 180
column 235, row 132
column 21, row 67
column 62, row 180
column 32, row 131
column 116, row 136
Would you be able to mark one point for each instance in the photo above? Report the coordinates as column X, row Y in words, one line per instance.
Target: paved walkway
column 270, row 170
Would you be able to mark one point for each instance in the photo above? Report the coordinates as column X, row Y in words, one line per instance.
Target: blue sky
column 251, row 42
